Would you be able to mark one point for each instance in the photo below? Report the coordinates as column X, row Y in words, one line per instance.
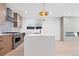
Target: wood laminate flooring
column 19, row 51
column 62, row 48
column 67, row 48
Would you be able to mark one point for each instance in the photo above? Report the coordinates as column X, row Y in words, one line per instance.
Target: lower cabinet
column 5, row 44
column 39, row 46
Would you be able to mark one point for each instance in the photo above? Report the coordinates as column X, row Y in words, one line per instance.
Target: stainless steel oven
column 16, row 39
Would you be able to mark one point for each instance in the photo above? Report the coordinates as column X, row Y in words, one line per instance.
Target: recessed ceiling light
column 69, row 13
column 50, row 13
column 26, row 12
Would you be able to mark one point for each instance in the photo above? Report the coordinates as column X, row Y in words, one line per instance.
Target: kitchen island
column 39, row 45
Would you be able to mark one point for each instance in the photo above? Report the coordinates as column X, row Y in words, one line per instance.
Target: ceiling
column 54, row 9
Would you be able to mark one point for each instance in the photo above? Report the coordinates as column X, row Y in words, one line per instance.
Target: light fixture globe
column 43, row 13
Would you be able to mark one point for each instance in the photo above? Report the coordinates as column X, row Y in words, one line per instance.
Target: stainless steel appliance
column 9, row 15
column 16, row 39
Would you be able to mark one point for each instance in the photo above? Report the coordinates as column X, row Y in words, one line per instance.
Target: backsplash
column 6, row 27
column 1, row 29
column 9, row 26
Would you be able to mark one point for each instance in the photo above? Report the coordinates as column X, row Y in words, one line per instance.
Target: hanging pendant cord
column 43, row 6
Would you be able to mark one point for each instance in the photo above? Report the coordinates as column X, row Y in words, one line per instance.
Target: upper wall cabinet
column 17, row 20
column 2, row 13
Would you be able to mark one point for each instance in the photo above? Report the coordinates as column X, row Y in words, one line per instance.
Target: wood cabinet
column 5, row 44
column 2, row 13
column 20, row 21
column 17, row 20
column 22, row 37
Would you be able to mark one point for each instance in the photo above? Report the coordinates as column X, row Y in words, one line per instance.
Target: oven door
column 16, row 41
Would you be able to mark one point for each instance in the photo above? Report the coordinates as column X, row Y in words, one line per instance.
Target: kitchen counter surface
column 4, row 34
column 38, row 35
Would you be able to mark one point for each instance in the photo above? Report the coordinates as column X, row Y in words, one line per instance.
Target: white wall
column 24, row 25
column 71, row 24
column 54, row 9
column 50, row 27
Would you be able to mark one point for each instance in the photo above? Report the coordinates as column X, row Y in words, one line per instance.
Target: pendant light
column 43, row 12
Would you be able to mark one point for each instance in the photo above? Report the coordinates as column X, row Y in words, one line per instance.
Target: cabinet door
column 17, row 20
column 2, row 13
column 1, row 46
column 6, row 45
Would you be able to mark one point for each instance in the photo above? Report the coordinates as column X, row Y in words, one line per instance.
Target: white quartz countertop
column 38, row 35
